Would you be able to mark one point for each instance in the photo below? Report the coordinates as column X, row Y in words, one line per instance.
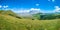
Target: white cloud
column 25, row 10
column 5, row 6
column 34, row 9
column 57, row 9
column 20, row 10
column 51, row 0
column 37, row 4
column 0, row 6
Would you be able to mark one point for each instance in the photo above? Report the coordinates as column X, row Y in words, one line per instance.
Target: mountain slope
column 13, row 23
column 10, row 13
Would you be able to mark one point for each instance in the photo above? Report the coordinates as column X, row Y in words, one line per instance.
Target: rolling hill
column 8, row 22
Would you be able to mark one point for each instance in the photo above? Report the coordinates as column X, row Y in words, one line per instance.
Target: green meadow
column 8, row 22
column 11, row 23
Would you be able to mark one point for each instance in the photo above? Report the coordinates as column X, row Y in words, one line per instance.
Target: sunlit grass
column 11, row 23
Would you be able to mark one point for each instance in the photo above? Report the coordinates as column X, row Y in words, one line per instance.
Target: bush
column 18, row 17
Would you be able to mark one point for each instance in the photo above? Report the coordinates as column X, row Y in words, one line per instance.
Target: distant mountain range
column 29, row 13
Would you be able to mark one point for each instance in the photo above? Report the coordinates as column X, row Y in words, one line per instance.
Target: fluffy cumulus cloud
column 57, row 9
column 34, row 10
column 0, row 6
column 51, row 0
column 5, row 6
column 20, row 10
column 25, row 10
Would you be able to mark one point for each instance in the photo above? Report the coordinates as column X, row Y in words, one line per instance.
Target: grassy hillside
column 12, row 23
column 10, row 13
column 46, row 16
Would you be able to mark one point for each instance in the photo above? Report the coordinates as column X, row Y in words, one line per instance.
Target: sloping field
column 11, row 23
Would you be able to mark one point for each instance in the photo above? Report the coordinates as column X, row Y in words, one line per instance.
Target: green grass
column 11, row 23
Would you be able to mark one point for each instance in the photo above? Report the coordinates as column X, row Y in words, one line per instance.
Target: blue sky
column 44, row 5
